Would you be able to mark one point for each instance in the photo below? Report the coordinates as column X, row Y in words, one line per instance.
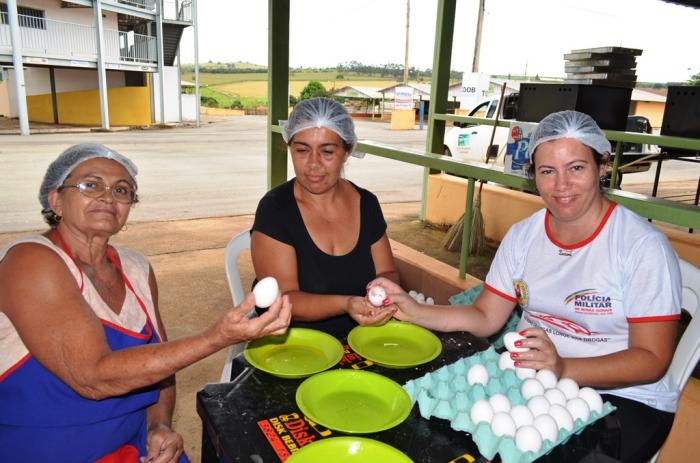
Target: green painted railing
column 675, row 213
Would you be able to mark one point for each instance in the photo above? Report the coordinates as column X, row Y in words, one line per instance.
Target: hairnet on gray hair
column 67, row 161
column 321, row 112
column 570, row 124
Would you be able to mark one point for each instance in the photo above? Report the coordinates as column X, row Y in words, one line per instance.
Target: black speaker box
column 682, row 112
column 608, row 106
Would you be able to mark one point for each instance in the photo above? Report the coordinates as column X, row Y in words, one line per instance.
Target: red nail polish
column 522, row 332
column 514, row 355
column 517, row 364
column 518, row 343
column 385, row 301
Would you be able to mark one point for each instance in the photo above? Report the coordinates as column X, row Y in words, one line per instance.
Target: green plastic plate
column 395, row 344
column 298, row 353
column 353, row 401
column 348, row 450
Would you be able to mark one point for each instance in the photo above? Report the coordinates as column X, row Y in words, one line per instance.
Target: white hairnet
column 570, row 124
column 317, row 113
column 67, row 161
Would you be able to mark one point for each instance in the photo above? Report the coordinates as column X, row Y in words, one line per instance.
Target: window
column 28, row 17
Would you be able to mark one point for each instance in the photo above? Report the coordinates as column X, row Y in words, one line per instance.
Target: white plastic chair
column 234, row 248
column 687, row 352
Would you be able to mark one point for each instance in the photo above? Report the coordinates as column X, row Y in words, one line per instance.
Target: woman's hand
column 407, row 308
column 365, row 313
column 163, row 444
column 234, row 326
column 542, row 353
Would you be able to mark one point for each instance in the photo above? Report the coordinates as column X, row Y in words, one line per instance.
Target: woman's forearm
column 314, row 307
column 620, row 369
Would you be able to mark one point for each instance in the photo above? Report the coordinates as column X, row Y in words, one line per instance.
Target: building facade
column 95, row 62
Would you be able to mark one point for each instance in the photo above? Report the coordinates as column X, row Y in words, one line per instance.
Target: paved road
column 217, row 170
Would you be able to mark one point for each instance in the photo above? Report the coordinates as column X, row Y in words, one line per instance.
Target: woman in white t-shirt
column 599, row 287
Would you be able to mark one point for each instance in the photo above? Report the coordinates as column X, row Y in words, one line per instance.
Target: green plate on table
column 353, row 401
column 298, row 353
column 395, row 344
column 348, row 450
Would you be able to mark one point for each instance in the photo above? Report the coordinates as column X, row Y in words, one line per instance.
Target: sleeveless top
column 42, row 418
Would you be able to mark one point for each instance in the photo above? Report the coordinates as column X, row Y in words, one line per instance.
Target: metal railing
column 135, row 48
column 65, row 40
column 149, row 5
column 180, row 10
column 675, row 213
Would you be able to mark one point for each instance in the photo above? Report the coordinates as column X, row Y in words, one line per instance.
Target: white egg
column 266, row 291
column 429, row 301
column 528, row 439
column 509, row 341
column 376, row 296
column 413, row 293
column 562, row 416
column 502, row 424
column 530, row 388
column 524, row 373
column 477, row 374
column 499, row 403
column 481, row 411
column 547, row 378
column 592, row 398
column 505, row 362
column 578, row 408
column 521, row 415
column 547, row 426
column 538, row 405
column 420, row 298
column 569, row 387
column 555, row 396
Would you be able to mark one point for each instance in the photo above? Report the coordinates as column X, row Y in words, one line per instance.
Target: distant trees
column 312, row 90
column 695, row 80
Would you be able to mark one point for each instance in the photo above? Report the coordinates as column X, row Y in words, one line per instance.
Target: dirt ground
column 188, row 259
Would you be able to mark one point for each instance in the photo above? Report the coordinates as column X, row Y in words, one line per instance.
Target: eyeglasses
column 121, row 192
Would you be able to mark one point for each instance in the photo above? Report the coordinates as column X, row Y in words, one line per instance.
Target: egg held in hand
column 376, row 296
column 266, row 292
column 509, row 340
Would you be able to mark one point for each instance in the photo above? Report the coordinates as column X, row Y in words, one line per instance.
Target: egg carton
column 445, row 394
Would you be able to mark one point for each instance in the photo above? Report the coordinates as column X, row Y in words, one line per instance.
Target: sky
column 519, row 36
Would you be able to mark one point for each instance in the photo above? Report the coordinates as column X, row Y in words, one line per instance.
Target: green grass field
column 251, row 88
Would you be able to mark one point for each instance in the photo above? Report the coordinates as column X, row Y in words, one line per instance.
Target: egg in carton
column 447, row 394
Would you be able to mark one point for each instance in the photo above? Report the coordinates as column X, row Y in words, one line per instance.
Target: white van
column 470, row 142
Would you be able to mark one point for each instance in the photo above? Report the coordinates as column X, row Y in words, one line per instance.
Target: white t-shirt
column 585, row 295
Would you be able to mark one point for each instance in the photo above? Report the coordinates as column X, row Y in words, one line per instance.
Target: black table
column 254, row 418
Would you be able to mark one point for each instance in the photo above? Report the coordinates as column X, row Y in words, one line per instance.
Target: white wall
column 189, row 107
column 171, row 107
column 72, row 80
column 37, row 80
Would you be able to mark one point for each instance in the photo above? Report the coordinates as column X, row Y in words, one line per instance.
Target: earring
column 124, row 228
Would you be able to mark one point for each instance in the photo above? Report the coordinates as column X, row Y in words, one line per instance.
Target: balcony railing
column 180, row 10
column 48, row 38
column 149, row 5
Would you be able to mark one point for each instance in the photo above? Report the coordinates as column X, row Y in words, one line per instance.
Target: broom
column 453, row 237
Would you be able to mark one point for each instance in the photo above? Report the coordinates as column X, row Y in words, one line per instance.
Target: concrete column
column 196, row 61
column 159, row 42
column 179, row 85
column 101, row 73
column 18, row 67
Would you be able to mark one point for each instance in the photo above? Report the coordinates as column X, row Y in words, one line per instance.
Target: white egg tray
column 445, row 394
